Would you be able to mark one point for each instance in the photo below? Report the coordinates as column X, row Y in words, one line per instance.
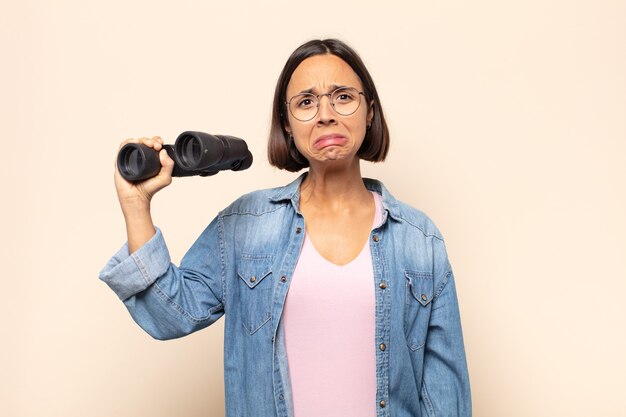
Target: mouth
column 329, row 140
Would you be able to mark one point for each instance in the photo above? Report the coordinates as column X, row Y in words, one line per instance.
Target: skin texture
column 337, row 208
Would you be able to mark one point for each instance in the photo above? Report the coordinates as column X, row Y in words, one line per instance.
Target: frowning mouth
column 329, row 140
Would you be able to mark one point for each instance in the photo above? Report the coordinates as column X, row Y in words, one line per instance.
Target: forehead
column 321, row 72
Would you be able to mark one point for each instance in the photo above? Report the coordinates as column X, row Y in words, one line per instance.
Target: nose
column 326, row 112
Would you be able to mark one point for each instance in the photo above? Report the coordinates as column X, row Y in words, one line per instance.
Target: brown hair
column 281, row 149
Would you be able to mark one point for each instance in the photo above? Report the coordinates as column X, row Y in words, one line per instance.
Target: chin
column 335, row 158
column 335, row 154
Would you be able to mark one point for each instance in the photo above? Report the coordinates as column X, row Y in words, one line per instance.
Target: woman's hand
column 134, row 196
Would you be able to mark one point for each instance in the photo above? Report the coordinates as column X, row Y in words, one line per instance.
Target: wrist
column 135, row 206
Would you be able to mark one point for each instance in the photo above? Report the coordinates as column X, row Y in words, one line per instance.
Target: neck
column 333, row 187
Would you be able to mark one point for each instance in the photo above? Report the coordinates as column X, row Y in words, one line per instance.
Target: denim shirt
column 241, row 267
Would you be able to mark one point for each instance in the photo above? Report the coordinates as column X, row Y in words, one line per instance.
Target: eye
column 305, row 101
column 344, row 96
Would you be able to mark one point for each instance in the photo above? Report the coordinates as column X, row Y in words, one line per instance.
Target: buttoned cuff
column 128, row 274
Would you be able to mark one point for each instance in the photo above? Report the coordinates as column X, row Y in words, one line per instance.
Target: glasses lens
column 346, row 100
column 303, row 106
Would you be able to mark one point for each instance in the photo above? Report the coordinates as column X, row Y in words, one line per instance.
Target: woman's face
column 328, row 136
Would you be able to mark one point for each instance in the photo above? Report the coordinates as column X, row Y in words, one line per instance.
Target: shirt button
column 382, row 346
column 281, row 397
column 298, row 230
column 382, row 285
column 382, row 404
column 253, row 278
column 424, row 297
column 375, row 238
column 283, row 279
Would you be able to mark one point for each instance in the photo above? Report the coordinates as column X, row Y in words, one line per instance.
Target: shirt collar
column 291, row 192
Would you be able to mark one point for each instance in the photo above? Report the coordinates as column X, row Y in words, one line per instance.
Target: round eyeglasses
column 344, row 100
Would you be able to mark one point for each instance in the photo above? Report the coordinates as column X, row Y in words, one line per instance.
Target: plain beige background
column 508, row 123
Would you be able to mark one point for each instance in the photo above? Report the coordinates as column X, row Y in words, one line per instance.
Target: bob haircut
column 281, row 150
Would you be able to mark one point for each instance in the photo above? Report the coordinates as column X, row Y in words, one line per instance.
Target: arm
column 445, row 385
column 165, row 300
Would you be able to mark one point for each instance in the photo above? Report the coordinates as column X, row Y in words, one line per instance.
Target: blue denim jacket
column 241, row 267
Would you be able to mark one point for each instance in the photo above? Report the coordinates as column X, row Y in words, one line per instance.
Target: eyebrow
column 333, row 87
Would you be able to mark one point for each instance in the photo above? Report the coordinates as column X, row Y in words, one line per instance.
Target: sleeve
column 445, row 385
column 165, row 300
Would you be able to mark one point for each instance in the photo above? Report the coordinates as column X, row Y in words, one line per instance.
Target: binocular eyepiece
column 194, row 153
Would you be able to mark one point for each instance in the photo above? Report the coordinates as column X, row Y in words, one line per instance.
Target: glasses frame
column 319, row 101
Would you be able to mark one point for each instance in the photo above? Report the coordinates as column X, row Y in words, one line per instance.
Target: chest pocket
column 418, row 298
column 255, row 287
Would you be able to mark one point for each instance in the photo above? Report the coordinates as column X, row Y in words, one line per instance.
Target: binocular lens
column 191, row 150
column 133, row 162
column 136, row 161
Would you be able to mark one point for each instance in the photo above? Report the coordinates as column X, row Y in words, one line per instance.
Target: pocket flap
column 421, row 285
column 253, row 269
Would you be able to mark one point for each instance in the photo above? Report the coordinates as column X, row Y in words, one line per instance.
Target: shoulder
column 404, row 214
column 264, row 201
column 257, row 202
column 419, row 220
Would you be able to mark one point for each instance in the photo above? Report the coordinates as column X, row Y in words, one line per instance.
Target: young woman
column 339, row 300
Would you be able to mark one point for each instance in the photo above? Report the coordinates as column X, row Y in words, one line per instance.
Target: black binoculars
column 194, row 153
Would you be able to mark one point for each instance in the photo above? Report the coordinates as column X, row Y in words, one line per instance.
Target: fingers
column 167, row 164
column 154, row 142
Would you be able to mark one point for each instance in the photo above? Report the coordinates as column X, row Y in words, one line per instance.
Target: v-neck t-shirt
column 329, row 325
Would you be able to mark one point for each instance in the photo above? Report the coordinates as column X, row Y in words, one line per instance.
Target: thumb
column 166, row 162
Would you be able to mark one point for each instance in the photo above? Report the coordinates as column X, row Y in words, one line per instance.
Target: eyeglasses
column 344, row 100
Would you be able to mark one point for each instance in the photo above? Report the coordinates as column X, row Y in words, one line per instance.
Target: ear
column 287, row 127
column 370, row 113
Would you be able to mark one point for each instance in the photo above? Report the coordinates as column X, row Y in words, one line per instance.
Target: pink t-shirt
column 329, row 324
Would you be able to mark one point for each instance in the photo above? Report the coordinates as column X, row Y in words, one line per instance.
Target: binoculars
column 194, row 153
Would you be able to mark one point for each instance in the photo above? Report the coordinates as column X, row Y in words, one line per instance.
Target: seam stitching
column 142, row 268
column 181, row 310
